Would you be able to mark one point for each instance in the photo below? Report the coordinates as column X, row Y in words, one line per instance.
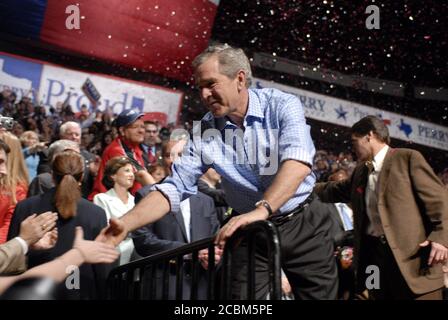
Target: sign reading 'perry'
column 346, row 113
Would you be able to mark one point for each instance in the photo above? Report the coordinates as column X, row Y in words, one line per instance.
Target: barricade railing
column 161, row 276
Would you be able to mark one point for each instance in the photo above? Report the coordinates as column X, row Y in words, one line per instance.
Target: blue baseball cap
column 127, row 117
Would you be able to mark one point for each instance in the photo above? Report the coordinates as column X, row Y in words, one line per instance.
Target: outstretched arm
column 83, row 251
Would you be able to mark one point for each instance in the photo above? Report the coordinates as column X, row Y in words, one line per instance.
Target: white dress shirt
column 115, row 208
column 23, row 244
column 375, row 228
column 186, row 214
column 346, row 215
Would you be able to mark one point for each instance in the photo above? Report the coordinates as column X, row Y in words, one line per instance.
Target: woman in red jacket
column 13, row 185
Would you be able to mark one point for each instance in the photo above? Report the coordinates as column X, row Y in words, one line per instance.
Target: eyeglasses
column 151, row 131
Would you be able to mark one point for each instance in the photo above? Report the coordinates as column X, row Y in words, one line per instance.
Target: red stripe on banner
column 154, row 35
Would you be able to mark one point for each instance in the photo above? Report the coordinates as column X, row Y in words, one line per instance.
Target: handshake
column 114, row 233
column 40, row 233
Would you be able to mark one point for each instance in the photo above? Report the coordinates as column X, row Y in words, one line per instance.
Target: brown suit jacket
column 413, row 206
column 12, row 259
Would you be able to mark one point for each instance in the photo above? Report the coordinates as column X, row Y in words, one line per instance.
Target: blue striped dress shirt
column 274, row 130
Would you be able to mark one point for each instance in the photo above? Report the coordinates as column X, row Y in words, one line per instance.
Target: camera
column 6, row 122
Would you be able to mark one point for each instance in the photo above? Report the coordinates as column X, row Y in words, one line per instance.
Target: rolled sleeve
column 171, row 194
column 295, row 141
column 299, row 154
column 183, row 182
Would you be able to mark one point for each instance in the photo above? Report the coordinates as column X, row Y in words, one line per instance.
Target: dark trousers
column 306, row 256
column 392, row 284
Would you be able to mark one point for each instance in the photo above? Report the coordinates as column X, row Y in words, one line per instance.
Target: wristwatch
column 265, row 204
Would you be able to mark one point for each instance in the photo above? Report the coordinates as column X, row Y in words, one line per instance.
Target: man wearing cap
column 131, row 130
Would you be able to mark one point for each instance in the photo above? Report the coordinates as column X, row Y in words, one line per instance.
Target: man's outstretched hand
column 114, row 233
column 238, row 222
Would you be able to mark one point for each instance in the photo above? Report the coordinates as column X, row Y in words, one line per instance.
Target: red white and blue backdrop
column 159, row 36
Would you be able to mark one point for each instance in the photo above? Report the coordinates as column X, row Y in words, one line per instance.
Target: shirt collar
column 379, row 158
column 254, row 109
column 222, row 123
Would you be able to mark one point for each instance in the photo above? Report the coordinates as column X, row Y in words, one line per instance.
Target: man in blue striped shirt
column 259, row 142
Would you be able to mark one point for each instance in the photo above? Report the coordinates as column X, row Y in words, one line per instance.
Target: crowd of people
column 118, row 176
column 66, row 170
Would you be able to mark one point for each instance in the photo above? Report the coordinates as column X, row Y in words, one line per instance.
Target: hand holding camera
column 6, row 123
column 38, row 147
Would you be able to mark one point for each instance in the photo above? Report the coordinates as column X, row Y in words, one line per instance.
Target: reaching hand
column 203, row 257
column 94, row 251
column 48, row 241
column 38, row 147
column 114, row 233
column 35, row 227
column 239, row 221
column 439, row 253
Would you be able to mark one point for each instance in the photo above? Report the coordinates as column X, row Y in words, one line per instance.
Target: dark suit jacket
column 219, row 197
column 41, row 183
column 90, row 217
column 340, row 236
column 169, row 233
column 413, row 206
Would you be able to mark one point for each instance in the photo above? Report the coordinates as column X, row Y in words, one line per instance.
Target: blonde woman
column 13, row 185
column 31, row 148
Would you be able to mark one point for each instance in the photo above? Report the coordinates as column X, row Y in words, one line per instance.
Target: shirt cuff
column 170, row 192
column 298, row 154
column 23, row 244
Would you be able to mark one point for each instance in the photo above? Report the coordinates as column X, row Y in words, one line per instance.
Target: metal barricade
column 272, row 255
column 152, row 277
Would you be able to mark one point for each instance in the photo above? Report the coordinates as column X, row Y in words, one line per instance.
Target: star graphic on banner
column 387, row 122
column 341, row 113
column 405, row 127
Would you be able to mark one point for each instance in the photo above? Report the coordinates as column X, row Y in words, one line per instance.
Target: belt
column 278, row 218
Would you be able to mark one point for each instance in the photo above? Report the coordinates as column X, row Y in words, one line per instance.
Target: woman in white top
column 118, row 179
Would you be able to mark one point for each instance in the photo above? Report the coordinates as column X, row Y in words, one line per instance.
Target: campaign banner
column 53, row 84
column 345, row 113
column 20, row 76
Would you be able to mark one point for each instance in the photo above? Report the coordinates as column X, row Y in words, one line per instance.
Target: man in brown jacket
column 400, row 217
